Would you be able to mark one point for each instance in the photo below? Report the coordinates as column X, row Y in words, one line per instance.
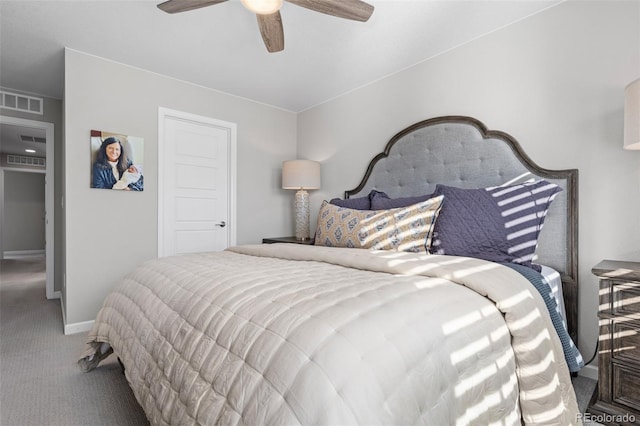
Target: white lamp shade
column 300, row 174
column 632, row 115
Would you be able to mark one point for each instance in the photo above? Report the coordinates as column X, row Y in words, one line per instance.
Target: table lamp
column 301, row 175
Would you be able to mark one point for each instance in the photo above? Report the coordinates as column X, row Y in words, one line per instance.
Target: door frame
column 166, row 113
column 49, row 196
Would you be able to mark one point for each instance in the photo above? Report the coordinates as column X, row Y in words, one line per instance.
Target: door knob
column 221, row 224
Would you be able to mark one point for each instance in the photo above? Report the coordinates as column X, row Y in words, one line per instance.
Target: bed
column 398, row 328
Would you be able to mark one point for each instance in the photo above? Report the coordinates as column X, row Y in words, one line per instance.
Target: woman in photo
column 114, row 170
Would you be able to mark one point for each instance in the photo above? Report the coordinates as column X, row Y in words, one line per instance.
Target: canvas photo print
column 116, row 161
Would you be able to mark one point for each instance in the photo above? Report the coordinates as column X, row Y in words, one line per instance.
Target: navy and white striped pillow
column 501, row 224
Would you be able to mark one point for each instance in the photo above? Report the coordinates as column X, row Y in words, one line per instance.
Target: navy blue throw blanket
column 571, row 352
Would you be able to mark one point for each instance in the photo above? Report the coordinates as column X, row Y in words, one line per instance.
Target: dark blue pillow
column 360, row 203
column 500, row 224
column 381, row 201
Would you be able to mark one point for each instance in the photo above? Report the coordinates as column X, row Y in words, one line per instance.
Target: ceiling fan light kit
column 268, row 13
column 262, row 7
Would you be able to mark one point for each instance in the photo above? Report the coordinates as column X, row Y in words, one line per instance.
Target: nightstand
column 292, row 240
column 618, row 392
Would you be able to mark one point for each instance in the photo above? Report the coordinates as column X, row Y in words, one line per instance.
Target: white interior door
column 196, row 176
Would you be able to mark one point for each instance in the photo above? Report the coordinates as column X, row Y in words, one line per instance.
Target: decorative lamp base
column 302, row 215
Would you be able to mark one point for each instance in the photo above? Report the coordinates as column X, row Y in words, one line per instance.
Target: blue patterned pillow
column 500, row 224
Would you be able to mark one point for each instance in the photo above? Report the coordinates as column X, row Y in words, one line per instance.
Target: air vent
column 36, row 139
column 21, row 160
column 22, row 103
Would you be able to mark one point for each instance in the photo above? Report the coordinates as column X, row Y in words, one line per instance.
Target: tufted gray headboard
column 460, row 151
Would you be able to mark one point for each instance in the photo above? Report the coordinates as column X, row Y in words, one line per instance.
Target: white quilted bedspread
column 337, row 336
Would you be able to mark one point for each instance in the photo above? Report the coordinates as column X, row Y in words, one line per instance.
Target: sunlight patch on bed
column 499, row 333
column 523, row 324
column 472, row 413
column 536, row 341
column 398, row 257
column 539, row 368
column 506, row 358
column 550, row 415
column 511, row 419
column 526, row 320
column 461, row 322
column 469, row 350
column 542, row 393
column 452, row 260
column 388, row 254
column 431, row 283
column 510, row 386
column 421, row 263
column 417, row 269
column 427, row 262
column 474, row 270
column 467, row 320
column 474, row 380
column 514, row 300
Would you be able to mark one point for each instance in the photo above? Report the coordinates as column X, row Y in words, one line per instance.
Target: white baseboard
column 77, row 327
column 19, row 254
column 590, row 372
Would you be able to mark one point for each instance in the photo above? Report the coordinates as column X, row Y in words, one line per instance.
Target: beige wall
column 109, row 96
column 554, row 81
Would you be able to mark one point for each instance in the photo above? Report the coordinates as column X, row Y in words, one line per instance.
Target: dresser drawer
column 625, row 386
column 626, row 298
column 625, row 345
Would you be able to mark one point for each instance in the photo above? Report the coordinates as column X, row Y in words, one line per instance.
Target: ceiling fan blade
column 175, row 6
column 272, row 32
column 349, row 9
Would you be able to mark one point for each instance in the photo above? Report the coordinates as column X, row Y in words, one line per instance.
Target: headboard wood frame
column 451, row 150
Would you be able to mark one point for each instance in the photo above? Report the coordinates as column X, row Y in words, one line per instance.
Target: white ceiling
column 220, row 46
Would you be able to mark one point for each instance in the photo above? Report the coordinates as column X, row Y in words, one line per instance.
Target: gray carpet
column 40, row 383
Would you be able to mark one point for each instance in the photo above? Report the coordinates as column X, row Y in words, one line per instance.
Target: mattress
column 290, row 334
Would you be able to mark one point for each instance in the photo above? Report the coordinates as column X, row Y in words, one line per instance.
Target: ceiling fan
column 268, row 13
